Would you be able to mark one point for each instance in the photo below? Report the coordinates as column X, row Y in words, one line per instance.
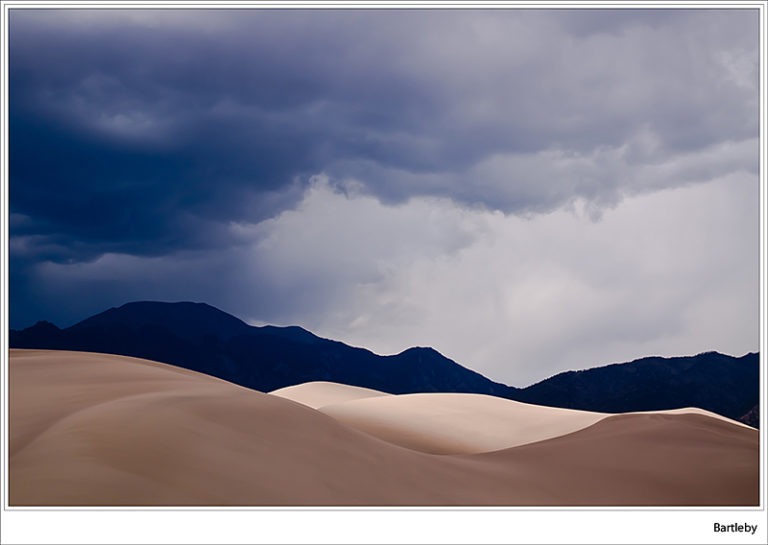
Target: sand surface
column 441, row 423
column 696, row 410
column 93, row 429
column 458, row 423
column 319, row 394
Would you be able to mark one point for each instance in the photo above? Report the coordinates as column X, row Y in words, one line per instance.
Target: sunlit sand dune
column 458, row 423
column 441, row 423
column 319, row 394
column 92, row 429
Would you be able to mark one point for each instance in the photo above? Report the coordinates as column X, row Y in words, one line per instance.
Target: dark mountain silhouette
column 189, row 321
column 202, row 338
column 722, row 384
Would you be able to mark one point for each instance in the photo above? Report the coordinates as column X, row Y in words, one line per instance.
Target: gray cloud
column 206, row 111
column 169, row 154
column 517, row 299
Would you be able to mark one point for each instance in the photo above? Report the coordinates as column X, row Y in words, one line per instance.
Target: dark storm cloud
column 147, row 132
column 129, row 128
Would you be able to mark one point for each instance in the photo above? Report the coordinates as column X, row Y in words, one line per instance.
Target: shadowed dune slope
column 318, row 394
column 637, row 459
column 91, row 429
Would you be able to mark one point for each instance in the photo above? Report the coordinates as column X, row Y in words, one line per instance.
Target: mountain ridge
column 718, row 382
column 259, row 357
column 203, row 338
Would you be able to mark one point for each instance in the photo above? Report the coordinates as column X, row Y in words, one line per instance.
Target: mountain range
column 202, row 338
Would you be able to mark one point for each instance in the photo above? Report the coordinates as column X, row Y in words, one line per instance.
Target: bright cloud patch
column 516, row 299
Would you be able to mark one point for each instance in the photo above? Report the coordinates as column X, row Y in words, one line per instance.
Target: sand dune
column 318, row 394
column 458, row 423
column 642, row 459
column 696, row 410
column 92, row 429
column 441, row 423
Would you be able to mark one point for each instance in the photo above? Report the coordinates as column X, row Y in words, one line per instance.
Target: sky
column 526, row 191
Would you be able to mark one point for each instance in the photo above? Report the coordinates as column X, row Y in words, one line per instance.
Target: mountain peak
column 45, row 324
column 185, row 319
column 420, row 350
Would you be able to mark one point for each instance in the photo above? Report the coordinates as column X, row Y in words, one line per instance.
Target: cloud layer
column 394, row 177
column 517, row 299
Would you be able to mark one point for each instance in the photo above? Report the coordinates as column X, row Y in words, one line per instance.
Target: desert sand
column 94, row 429
column 319, row 394
column 696, row 410
column 458, row 423
column 440, row 423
